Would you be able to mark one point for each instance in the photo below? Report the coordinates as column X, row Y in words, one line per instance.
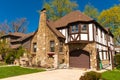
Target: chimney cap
column 43, row 9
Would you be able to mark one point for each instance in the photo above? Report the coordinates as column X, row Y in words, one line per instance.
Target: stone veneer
column 89, row 47
column 43, row 37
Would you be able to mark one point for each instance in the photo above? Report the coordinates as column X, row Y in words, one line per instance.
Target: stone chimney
column 42, row 21
column 41, row 38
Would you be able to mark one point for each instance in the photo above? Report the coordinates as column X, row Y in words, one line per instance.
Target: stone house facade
column 75, row 40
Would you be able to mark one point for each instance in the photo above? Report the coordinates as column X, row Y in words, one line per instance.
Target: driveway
column 59, row 74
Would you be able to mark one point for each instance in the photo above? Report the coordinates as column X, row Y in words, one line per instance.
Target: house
column 75, row 40
column 17, row 39
column 117, row 49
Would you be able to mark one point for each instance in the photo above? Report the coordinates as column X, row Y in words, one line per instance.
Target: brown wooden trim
column 101, row 33
column 102, row 55
column 96, row 30
column 82, row 41
column 101, row 44
column 88, row 32
column 93, row 32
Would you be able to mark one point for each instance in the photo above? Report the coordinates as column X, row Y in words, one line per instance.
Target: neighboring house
column 74, row 40
column 17, row 39
column 117, row 49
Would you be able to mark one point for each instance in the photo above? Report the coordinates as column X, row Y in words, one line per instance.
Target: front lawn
column 16, row 70
column 111, row 75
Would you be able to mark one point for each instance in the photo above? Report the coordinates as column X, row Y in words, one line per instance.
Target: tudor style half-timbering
column 75, row 40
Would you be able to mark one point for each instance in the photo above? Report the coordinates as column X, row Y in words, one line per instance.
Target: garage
column 79, row 59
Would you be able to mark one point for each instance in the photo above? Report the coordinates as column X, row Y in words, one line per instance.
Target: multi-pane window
column 34, row 47
column 52, row 46
column 61, row 47
column 84, row 28
column 75, row 28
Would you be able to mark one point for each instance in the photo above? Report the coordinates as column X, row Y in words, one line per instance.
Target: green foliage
column 10, row 57
column 19, row 52
column 16, row 70
column 91, row 11
column 14, row 54
column 111, row 18
column 111, row 75
column 117, row 35
column 58, row 8
column 117, row 61
column 4, row 47
column 91, row 76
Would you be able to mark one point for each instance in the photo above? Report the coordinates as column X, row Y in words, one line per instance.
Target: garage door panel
column 80, row 59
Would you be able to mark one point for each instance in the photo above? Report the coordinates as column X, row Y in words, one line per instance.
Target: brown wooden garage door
column 79, row 59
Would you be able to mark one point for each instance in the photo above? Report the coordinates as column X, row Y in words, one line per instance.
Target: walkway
column 60, row 74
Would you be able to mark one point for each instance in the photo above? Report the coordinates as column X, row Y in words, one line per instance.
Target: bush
column 91, row 76
column 117, row 61
column 10, row 57
column 14, row 54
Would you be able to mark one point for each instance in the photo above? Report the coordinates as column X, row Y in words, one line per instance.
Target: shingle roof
column 70, row 18
column 52, row 27
column 15, row 46
column 17, row 34
column 23, row 37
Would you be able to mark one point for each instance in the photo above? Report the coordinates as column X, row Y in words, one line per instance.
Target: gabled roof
column 54, row 30
column 16, row 34
column 74, row 16
column 23, row 37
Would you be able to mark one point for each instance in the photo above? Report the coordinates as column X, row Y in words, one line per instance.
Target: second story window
column 34, row 47
column 52, row 46
column 75, row 29
column 84, row 28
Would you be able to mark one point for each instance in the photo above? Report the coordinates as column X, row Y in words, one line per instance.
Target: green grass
column 16, row 70
column 111, row 75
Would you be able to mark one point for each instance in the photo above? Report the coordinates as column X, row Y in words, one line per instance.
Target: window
column 52, row 46
column 61, row 47
column 75, row 28
column 34, row 47
column 84, row 28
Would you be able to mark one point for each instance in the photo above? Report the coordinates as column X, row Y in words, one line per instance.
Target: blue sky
column 12, row 9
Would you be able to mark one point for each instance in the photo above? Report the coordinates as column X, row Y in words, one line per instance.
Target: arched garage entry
column 79, row 59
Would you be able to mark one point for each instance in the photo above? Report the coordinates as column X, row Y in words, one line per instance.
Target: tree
column 4, row 28
column 4, row 48
column 117, row 35
column 111, row 18
column 19, row 25
column 58, row 8
column 91, row 11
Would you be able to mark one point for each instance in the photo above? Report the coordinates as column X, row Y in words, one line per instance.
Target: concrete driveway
column 59, row 74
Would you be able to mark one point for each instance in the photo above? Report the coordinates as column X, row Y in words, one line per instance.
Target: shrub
column 91, row 76
column 14, row 54
column 10, row 57
column 117, row 61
